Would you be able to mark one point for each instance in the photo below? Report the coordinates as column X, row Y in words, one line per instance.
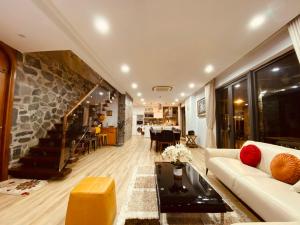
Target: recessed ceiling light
column 191, row 85
column 176, row 100
column 275, row 69
column 142, row 99
column 237, row 85
column 125, row 68
column 144, row 103
column 182, row 94
column 134, row 85
column 100, row 93
column 101, row 25
column 295, row 86
column 239, row 101
column 91, row 96
column 173, row 103
column 257, row 21
column 209, row 68
column 139, row 94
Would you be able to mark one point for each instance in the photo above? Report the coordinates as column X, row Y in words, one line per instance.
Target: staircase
column 42, row 161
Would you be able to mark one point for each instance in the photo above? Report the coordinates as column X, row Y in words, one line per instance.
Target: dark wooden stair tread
column 38, row 173
column 45, row 148
column 40, row 161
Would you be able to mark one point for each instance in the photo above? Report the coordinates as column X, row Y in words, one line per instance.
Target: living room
column 149, row 112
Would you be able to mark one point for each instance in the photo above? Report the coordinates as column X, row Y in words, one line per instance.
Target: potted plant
column 177, row 154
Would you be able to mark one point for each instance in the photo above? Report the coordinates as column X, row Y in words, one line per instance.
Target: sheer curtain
column 294, row 31
column 210, row 104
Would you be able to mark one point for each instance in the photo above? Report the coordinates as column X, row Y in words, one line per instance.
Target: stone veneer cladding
column 124, row 118
column 44, row 90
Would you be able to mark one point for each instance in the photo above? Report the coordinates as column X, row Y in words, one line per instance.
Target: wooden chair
column 152, row 137
column 177, row 135
column 166, row 137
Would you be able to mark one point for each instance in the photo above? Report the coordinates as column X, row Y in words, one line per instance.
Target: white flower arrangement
column 177, row 154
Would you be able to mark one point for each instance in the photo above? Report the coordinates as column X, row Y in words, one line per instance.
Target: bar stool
column 103, row 139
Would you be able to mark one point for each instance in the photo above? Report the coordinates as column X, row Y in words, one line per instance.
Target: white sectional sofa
column 271, row 199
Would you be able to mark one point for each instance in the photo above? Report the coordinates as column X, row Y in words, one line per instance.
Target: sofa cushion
column 250, row 155
column 286, row 168
column 271, row 199
column 228, row 169
column 268, row 152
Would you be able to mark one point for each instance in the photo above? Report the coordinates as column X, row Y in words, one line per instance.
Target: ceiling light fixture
column 173, row 103
column 209, row 68
column 100, row 93
column 142, row 99
column 191, row 85
column 182, row 94
column 88, row 102
column 125, row 68
column 282, row 89
column 139, row 94
column 295, row 86
column 237, row 85
column 101, row 25
column 144, row 103
column 257, row 21
column 275, row 69
column 176, row 100
column 134, row 85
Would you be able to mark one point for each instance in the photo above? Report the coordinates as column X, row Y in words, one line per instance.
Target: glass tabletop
column 187, row 193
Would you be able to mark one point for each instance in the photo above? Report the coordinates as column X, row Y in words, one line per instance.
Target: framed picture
column 201, row 108
column 109, row 113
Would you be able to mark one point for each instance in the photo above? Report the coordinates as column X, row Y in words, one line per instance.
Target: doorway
column 234, row 112
column 7, row 68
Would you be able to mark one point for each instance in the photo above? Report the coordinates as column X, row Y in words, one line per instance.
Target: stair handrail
column 63, row 162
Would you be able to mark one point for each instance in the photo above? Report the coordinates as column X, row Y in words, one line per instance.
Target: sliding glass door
column 233, row 115
column 264, row 105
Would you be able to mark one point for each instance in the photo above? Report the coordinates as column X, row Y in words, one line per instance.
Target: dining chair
column 166, row 137
column 152, row 137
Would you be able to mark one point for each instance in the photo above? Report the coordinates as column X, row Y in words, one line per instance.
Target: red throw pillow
column 250, row 155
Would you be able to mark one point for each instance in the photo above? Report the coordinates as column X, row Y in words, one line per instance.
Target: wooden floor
column 48, row 205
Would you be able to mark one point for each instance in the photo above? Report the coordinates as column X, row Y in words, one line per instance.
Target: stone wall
column 44, row 90
column 124, row 118
column 128, row 117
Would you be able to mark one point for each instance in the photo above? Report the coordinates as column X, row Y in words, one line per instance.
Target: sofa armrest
column 221, row 152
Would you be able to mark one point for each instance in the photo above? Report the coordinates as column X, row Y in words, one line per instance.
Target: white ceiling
column 165, row 42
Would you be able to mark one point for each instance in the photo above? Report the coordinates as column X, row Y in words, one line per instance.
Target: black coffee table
column 189, row 193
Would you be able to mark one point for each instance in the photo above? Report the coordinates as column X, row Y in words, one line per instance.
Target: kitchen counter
column 157, row 127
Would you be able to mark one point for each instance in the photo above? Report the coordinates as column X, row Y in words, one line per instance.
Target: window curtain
column 294, row 31
column 210, row 105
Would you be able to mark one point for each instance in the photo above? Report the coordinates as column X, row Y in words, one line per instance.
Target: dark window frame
column 251, row 77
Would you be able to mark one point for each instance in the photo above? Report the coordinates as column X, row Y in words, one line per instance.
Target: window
column 278, row 100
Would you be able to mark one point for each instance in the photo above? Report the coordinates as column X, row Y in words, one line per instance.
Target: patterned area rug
column 21, row 186
column 141, row 205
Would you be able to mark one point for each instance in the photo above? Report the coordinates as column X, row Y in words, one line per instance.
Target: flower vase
column 178, row 169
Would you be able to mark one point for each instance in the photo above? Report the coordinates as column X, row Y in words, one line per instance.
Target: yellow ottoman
column 92, row 202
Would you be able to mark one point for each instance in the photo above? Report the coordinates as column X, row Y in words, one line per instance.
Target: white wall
column 275, row 46
column 193, row 122
column 137, row 110
column 112, row 120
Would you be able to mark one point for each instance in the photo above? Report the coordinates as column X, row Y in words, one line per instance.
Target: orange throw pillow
column 286, row 168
